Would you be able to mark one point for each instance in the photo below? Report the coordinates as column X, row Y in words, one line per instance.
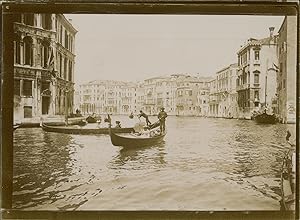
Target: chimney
column 271, row 31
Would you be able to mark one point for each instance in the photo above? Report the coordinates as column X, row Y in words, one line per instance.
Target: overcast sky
column 136, row 47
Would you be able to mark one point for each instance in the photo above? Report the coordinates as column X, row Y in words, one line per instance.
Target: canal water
column 203, row 164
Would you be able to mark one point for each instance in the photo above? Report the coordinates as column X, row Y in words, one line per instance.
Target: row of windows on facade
column 243, row 58
column 46, row 23
column 226, row 74
column 27, row 88
column 65, row 66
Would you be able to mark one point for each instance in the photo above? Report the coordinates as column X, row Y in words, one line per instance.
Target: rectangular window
column 27, row 88
column 256, row 78
column 256, row 55
column 256, row 95
column 27, row 111
column 190, row 93
column 17, row 87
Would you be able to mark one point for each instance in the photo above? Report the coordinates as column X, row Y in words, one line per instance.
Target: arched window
column 17, row 48
column 70, row 71
column 65, row 68
column 28, row 51
column 45, row 53
column 29, row 19
column 46, row 21
column 66, row 39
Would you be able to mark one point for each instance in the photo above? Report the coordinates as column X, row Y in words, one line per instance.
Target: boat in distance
column 265, row 118
column 81, row 130
column 132, row 140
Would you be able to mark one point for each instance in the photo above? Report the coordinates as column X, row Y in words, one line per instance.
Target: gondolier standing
column 162, row 119
column 142, row 114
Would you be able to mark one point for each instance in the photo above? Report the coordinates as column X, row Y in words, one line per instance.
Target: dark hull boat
column 74, row 130
column 265, row 118
column 287, row 183
column 131, row 140
column 91, row 119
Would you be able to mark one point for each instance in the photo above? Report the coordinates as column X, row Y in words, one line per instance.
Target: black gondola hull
column 265, row 118
column 119, row 140
column 84, row 131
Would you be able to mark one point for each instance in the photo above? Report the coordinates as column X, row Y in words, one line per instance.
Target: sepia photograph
column 154, row 112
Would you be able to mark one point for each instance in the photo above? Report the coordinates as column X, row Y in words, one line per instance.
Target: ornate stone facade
column 43, row 66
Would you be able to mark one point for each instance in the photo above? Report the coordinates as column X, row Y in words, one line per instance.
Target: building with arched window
column 43, row 84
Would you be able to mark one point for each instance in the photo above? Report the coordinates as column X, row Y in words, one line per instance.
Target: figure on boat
column 143, row 114
column 162, row 115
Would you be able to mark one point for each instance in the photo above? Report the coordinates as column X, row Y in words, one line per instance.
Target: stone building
column 43, row 66
column 287, row 75
column 224, row 92
column 108, row 96
column 257, row 72
column 192, row 95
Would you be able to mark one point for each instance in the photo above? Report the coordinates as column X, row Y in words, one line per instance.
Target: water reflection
column 239, row 159
column 39, row 165
column 137, row 158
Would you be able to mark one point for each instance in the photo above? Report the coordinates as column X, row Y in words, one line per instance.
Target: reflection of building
column 43, row 65
column 223, row 93
column 286, row 78
column 256, row 84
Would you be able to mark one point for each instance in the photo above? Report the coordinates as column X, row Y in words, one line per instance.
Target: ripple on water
column 204, row 164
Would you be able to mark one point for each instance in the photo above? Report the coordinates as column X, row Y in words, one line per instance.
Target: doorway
column 45, row 105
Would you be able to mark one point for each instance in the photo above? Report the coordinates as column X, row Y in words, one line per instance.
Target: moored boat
column 133, row 140
column 81, row 130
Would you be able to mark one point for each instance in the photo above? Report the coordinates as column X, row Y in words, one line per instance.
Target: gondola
column 92, row 119
column 85, row 131
column 265, row 118
column 133, row 140
column 287, row 180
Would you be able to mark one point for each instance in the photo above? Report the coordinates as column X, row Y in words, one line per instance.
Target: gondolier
column 162, row 119
column 142, row 114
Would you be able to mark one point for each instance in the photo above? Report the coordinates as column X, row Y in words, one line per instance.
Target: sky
column 137, row 47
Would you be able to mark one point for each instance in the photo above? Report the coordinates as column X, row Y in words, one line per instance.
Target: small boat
column 80, row 130
column 133, row 140
column 287, row 181
column 93, row 118
column 265, row 118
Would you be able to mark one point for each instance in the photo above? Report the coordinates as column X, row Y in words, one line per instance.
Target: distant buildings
column 223, row 95
column 287, row 75
column 43, row 65
column 107, row 96
column 256, row 84
column 116, row 97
